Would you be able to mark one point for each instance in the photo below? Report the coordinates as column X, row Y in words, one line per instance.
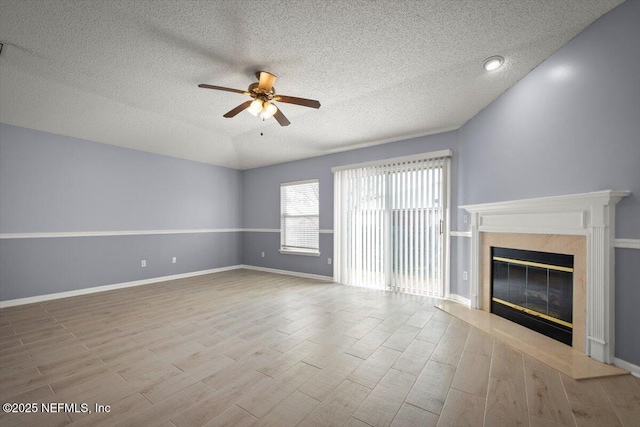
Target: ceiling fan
column 264, row 95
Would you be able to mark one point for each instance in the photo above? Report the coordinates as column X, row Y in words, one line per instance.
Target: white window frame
column 298, row 251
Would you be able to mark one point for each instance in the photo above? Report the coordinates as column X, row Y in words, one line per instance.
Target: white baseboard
column 634, row 369
column 288, row 272
column 96, row 289
column 460, row 299
column 85, row 291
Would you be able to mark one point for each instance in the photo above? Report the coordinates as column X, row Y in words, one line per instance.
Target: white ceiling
column 126, row 72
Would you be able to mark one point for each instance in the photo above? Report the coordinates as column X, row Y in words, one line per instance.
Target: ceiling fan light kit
column 268, row 110
column 255, row 107
column 263, row 94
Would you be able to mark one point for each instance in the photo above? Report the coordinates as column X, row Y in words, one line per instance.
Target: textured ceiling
column 126, row 72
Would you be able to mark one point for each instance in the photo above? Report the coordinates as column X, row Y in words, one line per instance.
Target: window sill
column 299, row 252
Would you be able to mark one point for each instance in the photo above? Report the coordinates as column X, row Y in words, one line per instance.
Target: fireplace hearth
column 534, row 289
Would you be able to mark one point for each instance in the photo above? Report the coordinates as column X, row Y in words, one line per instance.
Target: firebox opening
column 534, row 289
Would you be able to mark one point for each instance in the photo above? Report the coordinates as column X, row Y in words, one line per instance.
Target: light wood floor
column 553, row 353
column 245, row 348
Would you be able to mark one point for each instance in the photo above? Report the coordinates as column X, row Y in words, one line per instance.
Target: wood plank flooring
column 246, row 348
column 560, row 357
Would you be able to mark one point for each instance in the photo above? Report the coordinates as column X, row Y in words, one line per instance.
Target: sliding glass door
column 390, row 225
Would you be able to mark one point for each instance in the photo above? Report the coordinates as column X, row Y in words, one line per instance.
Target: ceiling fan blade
column 238, row 109
column 281, row 118
column 226, row 89
column 266, row 80
column 298, row 101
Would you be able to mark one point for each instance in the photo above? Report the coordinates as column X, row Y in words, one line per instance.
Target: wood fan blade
column 266, row 81
column 238, row 109
column 226, row 89
column 281, row 118
column 298, row 101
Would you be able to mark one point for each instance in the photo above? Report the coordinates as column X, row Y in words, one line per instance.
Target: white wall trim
column 116, row 233
column 587, row 214
column 96, row 289
column 141, row 232
column 460, row 233
column 460, row 299
column 627, row 243
column 384, row 162
column 634, row 369
column 277, row 230
column 287, row 272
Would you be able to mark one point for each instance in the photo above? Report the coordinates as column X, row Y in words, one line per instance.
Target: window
column 391, row 220
column 299, row 217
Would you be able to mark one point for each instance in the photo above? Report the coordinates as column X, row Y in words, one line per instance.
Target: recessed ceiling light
column 493, row 63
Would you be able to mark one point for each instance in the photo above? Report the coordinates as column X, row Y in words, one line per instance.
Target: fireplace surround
column 588, row 215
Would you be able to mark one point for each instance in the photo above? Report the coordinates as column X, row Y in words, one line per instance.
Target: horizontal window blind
column 299, row 216
column 389, row 225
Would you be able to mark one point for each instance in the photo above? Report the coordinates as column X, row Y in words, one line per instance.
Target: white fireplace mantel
column 588, row 214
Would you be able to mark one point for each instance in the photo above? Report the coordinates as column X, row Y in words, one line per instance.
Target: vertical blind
column 389, row 225
column 299, row 215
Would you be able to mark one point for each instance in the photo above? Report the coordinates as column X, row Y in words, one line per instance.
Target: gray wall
column 30, row 267
column 254, row 243
column 572, row 125
column 53, row 183
column 261, row 199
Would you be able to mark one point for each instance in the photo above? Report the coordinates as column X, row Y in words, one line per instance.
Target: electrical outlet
column 329, row 261
column 143, row 263
column 262, row 254
column 174, row 260
column 464, row 275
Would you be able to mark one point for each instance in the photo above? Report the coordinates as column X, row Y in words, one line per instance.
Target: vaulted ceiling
column 126, row 73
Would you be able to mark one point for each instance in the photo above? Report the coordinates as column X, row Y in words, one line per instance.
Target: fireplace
column 534, row 289
column 536, row 224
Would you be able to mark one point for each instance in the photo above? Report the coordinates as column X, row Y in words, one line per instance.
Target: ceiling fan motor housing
column 257, row 92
